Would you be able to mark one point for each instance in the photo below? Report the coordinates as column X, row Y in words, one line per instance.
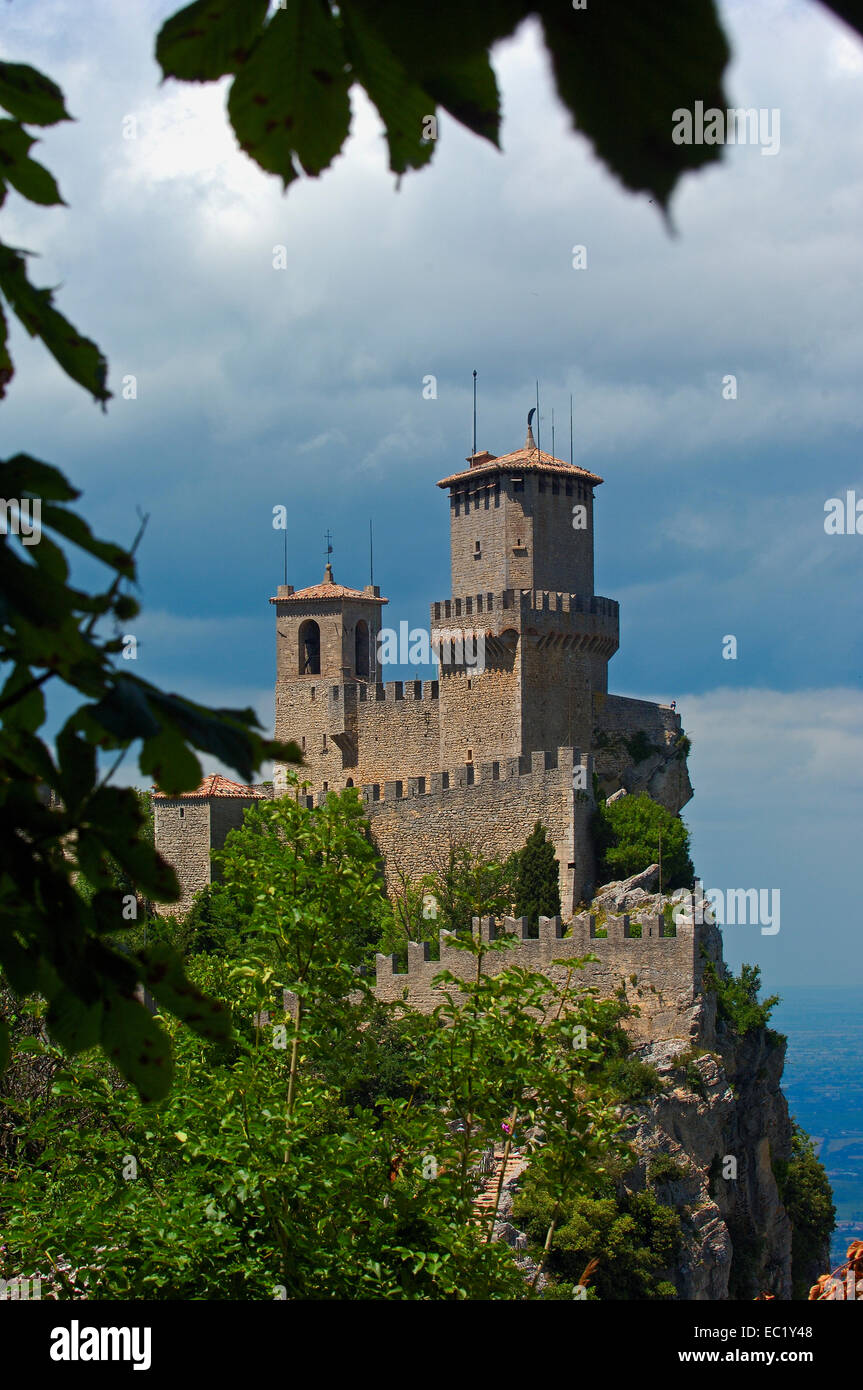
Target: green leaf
column 401, row 102
column 173, row 767
column 290, row 99
column 124, row 711
column 28, row 711
column 467, row 88
column 164, row 975
column 445, row 31
column 76, row 530
column 113, row 815
column 30, row 96
column 849, row 10
column 72, row 1023
column 79, row 358
column 623, row 71
column 447, row 52
column 137, row 1046
column 77, row 767
column 32, row 180
column 23, row 476
column 209, row 39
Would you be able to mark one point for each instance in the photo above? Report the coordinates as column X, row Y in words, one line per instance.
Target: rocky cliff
column 722, row 1120
column 713, row 1136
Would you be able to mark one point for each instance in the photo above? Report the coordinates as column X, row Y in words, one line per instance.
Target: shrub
column 639, row 747
column 695, row 1081
column 737, row 1002
column 634, row 1236
column 627, row 837
column 807, row 1196
column 633, row 1079
column 663, row 1168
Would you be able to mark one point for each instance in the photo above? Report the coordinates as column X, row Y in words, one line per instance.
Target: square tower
column 521, row 521
column 326, row 659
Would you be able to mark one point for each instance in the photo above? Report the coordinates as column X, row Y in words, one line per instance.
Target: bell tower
column 326, row 648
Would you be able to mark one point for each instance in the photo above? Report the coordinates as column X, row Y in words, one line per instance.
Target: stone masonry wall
column 658, row 973
column 481, row 712
column 494, row 807
column 526, row 536
column 184, row 841
column 361, row 732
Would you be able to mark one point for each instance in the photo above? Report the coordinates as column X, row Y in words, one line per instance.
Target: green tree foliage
column 737, row 1003
column 465, row 885
column 633, row 1235
column 328, row 1151
column 808, row 1198
column 76, row 854
column 627, row 840
column 304, row 867
column 288, row 101
column 620, row 72
column 537, row 889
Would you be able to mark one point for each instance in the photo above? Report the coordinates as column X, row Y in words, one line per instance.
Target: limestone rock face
column 723, row 1120
column 626, row 894
column 637, row 748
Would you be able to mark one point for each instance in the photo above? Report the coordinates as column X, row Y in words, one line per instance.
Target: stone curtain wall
column 398, row 727
column 493, row 807
column 659, row 973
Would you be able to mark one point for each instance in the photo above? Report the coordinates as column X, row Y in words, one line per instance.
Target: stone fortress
column 496, row 743
column 529, row 733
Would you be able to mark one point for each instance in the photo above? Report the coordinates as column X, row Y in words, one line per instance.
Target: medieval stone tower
column 519, row 719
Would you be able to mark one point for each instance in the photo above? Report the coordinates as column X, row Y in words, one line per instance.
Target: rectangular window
column 517, row 484
column 569, row 489
column 555, row 487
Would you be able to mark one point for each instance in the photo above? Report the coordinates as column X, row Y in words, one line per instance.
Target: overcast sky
column 303, row 386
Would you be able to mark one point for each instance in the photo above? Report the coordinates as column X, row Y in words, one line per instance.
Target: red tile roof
column 328, row 589
column 216, row 786
column 527, row 459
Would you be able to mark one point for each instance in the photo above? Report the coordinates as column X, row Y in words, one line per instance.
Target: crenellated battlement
column 658, row 972
column 524, row 601
column 519, row 769
column 386, row 691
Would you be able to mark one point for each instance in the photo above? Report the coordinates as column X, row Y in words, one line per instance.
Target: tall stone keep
column 521, row 542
